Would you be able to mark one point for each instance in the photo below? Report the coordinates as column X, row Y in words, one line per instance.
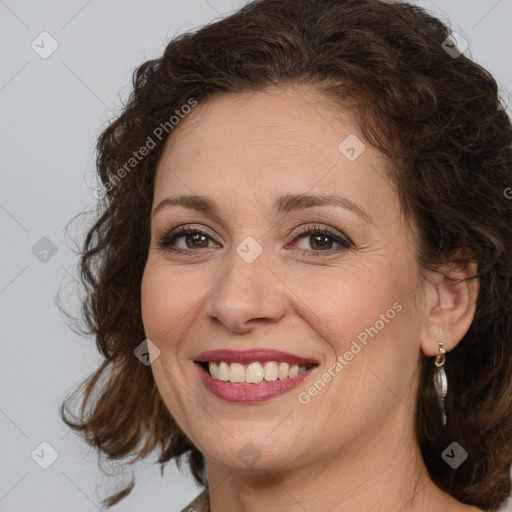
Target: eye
column 318, row 239
column 191, row 239
column 321, row 240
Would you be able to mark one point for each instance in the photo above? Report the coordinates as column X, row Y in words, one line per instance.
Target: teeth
column 270, row 371
column 214, row 370
column 255, row 373
column 223, row 371
column 293, row 371
column 283, row 370
column 236, row 373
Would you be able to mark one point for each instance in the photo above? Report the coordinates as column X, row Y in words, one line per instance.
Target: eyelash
column 344, row 242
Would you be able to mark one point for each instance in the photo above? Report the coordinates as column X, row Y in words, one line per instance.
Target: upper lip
column 252, row 355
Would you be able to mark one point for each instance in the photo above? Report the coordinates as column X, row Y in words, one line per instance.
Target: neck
column 380, row 475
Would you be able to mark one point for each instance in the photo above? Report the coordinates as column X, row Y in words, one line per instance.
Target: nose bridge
column 248, row 289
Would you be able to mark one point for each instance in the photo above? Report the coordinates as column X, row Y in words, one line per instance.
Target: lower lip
column 250, row 393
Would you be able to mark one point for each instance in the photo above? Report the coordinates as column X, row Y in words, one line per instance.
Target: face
column 264, row 267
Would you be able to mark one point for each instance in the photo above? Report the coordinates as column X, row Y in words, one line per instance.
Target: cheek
column 350, row 303
column 162, row 307
column 366, row 315
column 163, row 302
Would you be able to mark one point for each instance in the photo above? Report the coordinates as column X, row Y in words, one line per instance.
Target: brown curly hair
column 439, row 120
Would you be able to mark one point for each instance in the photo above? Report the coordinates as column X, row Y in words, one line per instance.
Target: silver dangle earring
column 440, row 381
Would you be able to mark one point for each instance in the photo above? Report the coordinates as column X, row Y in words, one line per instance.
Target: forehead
column 284, row 138
column 280, row 117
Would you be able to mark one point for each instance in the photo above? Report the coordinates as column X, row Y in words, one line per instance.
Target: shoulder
column 201, row 503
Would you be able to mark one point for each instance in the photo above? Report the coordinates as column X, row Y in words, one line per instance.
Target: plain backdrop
column 51, row 111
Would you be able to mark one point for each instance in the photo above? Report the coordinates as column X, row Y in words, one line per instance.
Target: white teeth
column 293, row 371
column 223, row 371
column 270, row 371
column 283, row 370
column 254, row 373
column 236, row 372
column 214, row 370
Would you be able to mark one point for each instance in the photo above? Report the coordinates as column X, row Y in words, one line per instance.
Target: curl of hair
column 440, row 122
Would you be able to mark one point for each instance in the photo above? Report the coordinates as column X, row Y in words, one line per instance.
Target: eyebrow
column 285, row 204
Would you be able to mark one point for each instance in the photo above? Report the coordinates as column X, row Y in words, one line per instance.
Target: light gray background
column 51, row 112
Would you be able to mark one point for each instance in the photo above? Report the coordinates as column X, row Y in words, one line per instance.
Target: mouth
column 253, row 375
column 257, row 372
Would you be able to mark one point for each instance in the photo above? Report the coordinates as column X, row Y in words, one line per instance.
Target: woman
column 300, row 274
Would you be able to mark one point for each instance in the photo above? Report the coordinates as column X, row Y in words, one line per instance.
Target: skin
column 352, row 447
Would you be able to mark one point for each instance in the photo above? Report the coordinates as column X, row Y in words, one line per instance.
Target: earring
column 440, row 381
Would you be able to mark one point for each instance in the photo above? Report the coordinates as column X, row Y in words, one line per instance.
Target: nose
column 247, row 294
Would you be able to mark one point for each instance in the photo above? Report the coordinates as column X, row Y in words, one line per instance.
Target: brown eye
column 186, row 239
column 194, row 241
column 318, row 240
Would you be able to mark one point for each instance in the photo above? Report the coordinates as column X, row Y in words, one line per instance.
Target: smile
column 252, row 375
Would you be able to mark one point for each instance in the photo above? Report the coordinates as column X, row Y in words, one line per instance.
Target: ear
column 450, row 304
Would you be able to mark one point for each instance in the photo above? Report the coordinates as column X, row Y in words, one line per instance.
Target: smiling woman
column 329, row 221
